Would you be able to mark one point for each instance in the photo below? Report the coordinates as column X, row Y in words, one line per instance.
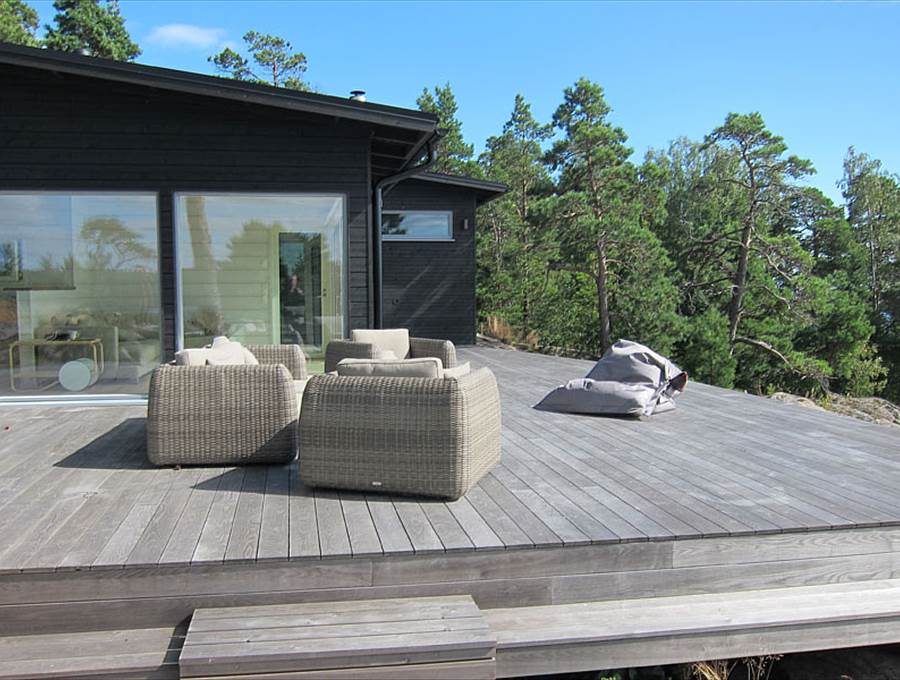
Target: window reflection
column 79, row 293
column 261, row 268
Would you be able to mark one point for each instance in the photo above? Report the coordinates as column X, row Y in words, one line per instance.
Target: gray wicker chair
column 418, row 436
column 226, row 415
column 418, row 348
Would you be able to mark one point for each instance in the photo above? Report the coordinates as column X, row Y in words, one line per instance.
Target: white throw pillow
column 394, row 340
column 226, row 354
column 458, row 371
column 249, row 358
column 191, row 357
column 427, row 367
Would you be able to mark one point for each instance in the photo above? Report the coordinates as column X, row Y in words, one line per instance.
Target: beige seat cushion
column 427, row 367
column 394, row 340
column 458, row 371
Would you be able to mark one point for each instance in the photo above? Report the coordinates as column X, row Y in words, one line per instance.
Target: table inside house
column 73, row 375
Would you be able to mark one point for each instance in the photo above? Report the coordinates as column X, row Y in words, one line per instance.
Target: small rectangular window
column 417, row 225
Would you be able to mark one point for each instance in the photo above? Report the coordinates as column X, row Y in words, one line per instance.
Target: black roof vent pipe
column 358, row 95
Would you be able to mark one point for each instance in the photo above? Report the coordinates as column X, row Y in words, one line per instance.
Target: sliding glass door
column 79, row 294
column 261, row 268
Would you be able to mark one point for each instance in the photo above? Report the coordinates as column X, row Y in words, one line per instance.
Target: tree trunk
column 603, row 297
column 739, row 282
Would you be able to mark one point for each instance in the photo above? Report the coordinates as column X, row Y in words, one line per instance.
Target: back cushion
column 226, row 354
column 407, row 368
column 458, row 371
column 394, row 340
column 222, row 352
column 191, row 357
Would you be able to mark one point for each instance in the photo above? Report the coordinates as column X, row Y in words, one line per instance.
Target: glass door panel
column 300, row 258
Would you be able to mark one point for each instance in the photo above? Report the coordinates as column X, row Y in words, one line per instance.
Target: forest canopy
column 717, row 251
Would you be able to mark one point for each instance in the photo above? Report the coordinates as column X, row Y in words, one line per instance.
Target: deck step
column 435, row 637
column 616, row 634
column 114, row 654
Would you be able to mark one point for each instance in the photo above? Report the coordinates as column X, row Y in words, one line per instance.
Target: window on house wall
column 79, row 294
column 417, row 225
column 261, row 268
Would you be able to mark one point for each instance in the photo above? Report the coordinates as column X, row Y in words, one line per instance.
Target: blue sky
column 824, row 75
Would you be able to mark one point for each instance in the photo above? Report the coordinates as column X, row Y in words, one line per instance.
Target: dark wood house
column 144, row 209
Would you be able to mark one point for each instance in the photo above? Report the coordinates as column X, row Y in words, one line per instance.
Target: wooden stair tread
column 121, row 654
column 693, row 614
column 337, row 635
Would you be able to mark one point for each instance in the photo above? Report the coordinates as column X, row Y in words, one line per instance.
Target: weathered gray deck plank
column 214, row 536
column 333, row 537
column 184, row 539
column 394, row 539
column 364, row 539
column 418, row 528
column 302, row 525
column 243, row 542
column 274, row 532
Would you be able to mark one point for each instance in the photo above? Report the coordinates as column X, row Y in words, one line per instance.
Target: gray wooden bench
column 113, row 654
column 425, row 637
column 681, row 629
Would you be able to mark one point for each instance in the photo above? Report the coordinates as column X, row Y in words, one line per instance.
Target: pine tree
column 454, row 155
column 18, row 23
column 873, row 206
column 601, row 213
column 90, row 26
column 275, row 62
column 511, row 247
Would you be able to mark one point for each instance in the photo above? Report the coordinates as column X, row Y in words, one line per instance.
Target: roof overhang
column 484, row 190
column 399, row 134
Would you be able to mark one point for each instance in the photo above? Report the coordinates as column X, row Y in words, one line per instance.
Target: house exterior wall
column 67, row 133
column 429, row 287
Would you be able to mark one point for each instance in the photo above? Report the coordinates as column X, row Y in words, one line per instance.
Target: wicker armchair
column 355, row 348
column 226, row 415
column 417, row 436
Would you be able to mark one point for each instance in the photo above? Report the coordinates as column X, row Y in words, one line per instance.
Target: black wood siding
column 430, row 287
column 61, row 132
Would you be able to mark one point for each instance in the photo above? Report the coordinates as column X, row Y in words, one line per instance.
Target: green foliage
column 712, row 251
column 454, row 155
column 92, row 26
column 273, row 62
column 873, row 207
column 18, row 23
column 704, row 351
column 602, row 214
column 512, row 247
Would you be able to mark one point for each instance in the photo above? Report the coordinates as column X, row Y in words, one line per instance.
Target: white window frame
column 402, row 237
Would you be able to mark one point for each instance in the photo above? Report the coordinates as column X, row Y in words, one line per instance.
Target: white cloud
column 186, row 36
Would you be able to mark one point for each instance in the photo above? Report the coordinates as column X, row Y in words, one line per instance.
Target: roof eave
column 183, row 81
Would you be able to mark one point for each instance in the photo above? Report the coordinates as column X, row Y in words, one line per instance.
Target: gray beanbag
column 630, row 379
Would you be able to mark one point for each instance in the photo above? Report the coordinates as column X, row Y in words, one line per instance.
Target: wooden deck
column 728, row 493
